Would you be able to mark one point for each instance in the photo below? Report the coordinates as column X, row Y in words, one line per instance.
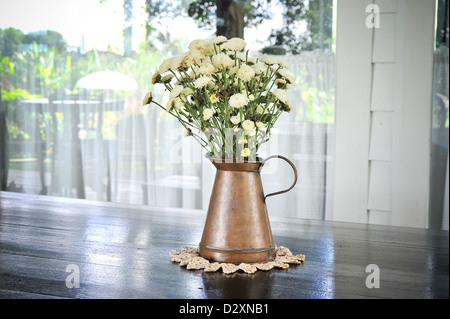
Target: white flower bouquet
column 227, row 100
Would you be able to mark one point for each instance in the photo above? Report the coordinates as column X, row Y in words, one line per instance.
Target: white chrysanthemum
column 178, row 103
column 147, row 98
column 165, row 66
column 281, row 95
column 219, row 40
column 245, row 58
column 245, row 152
column 156, row 77
column 235, row 119
column 167, row 78
column 286, row 75
column 207, row 114
column 186, row 92
column 169, row 105
column 282, row 62
column 233, row 70
column 251, row 132
column 259, row 109
column 202, row 81
column 259, row 68
column 242, row 141
column 198, row 44
column 238, row 100
column 261, row 126
column 222, row 59
column 213, row 98
column 205, row 68
column 175, row 63
column 208, row 50
column 269, row 60
column 230, row 53
column 251, row 97
column 248, row 125
column 176, row 91
column 251, row 60
column 281, row 83
column 235, row 44
column 245, row 73
column 241, row 56
column 191, row 57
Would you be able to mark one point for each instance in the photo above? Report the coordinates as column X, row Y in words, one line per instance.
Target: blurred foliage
column 13, row 40
column 31, row 73
column 318, row 15
column 314, row 92
column 48, row 38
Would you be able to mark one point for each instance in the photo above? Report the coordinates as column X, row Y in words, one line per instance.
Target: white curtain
column 439, row 209
column 305, row 136
column 103, row 145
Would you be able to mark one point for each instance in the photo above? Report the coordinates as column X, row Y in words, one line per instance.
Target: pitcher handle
column 293, row 167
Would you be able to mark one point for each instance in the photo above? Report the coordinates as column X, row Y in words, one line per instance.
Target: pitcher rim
column 219, row 160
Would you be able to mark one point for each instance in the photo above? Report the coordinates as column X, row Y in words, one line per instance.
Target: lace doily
column 190, row 258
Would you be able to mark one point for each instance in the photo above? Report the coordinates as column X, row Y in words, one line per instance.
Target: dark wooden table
column 122, row 251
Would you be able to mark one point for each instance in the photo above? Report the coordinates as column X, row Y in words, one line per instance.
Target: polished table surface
column 122, row 251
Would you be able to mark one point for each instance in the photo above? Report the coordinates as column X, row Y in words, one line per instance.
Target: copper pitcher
column 237, row 227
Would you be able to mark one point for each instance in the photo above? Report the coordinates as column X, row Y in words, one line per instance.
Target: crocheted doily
column 190, row 258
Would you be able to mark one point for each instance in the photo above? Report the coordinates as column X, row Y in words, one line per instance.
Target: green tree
column 155, row 11
column 51, row 39
column 10, row 41
column 318, row 15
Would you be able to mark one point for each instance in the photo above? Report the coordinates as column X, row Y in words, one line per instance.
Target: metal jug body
column 237, row 227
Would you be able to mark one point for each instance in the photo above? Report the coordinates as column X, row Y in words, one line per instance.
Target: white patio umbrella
column 107, row 80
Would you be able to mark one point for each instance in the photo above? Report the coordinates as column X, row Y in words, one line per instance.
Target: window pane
column 73, row 81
